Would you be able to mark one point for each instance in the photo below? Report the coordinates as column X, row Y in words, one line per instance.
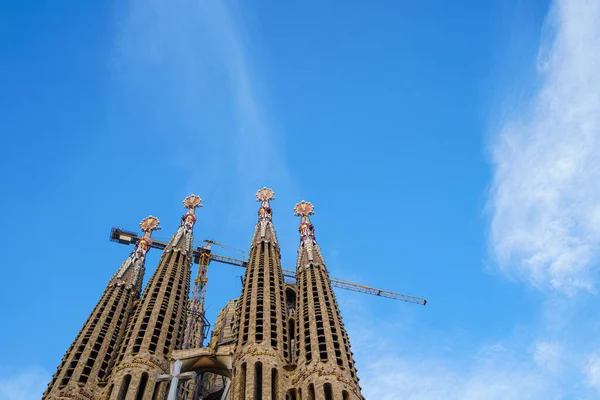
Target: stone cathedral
column 277, row 341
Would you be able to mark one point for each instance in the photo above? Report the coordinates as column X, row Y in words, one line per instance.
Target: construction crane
column 203, row 256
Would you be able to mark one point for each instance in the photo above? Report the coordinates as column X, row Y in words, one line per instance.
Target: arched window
column 243, row 382
column 274, row 384
column 142, row 387
column 328, row 391
column 345, row 395
column 156, row 391
column 124, row 388
column 311, row 392
column 258, row 381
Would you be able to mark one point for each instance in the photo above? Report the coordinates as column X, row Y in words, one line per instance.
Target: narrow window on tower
column 291, row 395
column 243, row 382
column 156, row 390
column 142, row 387
column 124, row 387
column 345, row 395
column 258, row 381
column 328, row 391
column 311, row 392
column 274, row 384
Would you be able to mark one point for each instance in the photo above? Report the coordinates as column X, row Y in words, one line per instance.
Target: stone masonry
column 278, row 341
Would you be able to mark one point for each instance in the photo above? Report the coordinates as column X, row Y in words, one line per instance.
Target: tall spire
column 158, row 325
column 262, row 335
column 88, row 363
column 183, row 237
column 264, row 228
column 305, row 209
column 325, row 363
column 131, row 272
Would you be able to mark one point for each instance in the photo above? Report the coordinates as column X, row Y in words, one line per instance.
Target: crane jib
column 126, row 237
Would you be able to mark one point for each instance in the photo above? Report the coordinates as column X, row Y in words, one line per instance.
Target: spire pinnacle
column 264, row 229
column 265, row 195
column 136, row 259
column 183, row 238
column 307, row 231
column 191, row 203
column 148, row 225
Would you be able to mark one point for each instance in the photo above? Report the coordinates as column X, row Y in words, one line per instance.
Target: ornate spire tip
column 192, row 201
column 265, row 194
column 150, row 224
column 304, row 209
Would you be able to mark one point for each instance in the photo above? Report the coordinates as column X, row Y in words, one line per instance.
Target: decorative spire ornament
column 307, row 231
column 265, row 213
column 148, row 225
column 138, row 255
column 187, row 222
column 191, row 203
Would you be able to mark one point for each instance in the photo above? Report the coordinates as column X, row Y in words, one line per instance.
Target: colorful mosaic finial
column 189, row 219
column 304, row 209
column 192, row 201
column 306, row 228
column 150, row 224
column 265, row 194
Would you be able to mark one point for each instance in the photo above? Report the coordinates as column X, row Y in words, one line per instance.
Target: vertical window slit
column 258, row 381
column 124, row 387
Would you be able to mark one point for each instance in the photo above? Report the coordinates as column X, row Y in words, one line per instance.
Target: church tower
column 325, row 367
column 262, row 349
column 86, row 366
column 158, row 325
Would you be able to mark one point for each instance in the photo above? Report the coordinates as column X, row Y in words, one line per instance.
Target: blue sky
column 451, row 152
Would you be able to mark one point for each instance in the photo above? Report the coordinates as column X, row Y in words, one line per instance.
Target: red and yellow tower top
column 307, row 231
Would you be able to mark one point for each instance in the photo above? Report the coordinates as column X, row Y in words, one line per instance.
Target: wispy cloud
column 389, row 369
column 409, row 378
column 190, row 62
column 26, row 385
column 545, row 229
column 545, row 198
column 398, row 359
column 592, row 371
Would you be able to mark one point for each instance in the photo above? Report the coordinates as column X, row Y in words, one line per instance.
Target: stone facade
column 262, row 348
column 277, row 341
column 158, row 325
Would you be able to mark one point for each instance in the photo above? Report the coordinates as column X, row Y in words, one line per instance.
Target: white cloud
column 592, row 371
column 495, row 373
column 548, row 355
column 25, row 385
column 545, row 200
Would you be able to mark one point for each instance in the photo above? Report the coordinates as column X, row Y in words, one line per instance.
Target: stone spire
column 87, row 364
column 262, row 342
column 158, row 324
column 183, row 237
column 264, row 231
column 325, row 365
column 131, row 272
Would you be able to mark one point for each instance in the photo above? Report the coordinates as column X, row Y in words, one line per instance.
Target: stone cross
column 175, row 377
